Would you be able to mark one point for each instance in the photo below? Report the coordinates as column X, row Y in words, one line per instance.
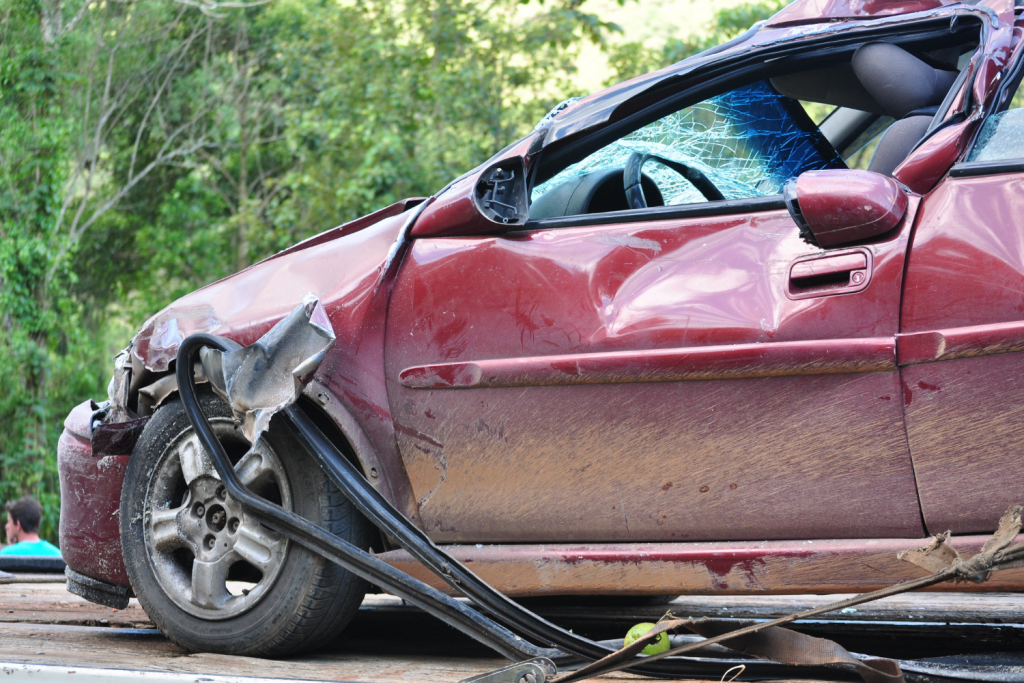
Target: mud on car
column 682, row 338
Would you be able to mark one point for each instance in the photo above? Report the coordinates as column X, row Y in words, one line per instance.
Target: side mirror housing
column 839, row 206
column 484, row 202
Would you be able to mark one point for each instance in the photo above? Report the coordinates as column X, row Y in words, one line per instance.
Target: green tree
column 396, row 100
column 44, row 355
column 89, row 114
column 631, row 59
column 153, row 146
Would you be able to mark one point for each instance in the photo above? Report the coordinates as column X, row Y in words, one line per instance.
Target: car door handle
column 822, row 275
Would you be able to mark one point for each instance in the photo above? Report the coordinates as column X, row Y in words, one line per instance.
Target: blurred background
column 150, row 147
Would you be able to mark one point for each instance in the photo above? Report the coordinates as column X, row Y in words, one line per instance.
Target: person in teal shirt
column 23, row 516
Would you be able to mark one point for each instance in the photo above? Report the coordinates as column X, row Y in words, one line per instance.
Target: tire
column 213, row 580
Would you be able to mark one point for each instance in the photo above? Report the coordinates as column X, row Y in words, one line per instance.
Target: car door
column 962, row 331
column 694, row 371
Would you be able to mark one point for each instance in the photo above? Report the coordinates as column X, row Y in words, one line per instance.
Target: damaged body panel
column 90, row 502
column 349, row 385
column 343, row 274
column 737, row 568
column 658, row 366
column 587, row 388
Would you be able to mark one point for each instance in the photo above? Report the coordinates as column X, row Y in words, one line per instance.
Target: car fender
column 351, row 274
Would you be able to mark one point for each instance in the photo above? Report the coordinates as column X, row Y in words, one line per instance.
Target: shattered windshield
column 748, row 142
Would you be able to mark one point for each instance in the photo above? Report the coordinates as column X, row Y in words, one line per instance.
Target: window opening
column 859, row 152
column 748, row 142
column 1002, row 135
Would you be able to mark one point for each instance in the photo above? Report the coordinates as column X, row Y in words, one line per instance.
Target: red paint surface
column 344, row 273
column 836, row 566
column 353, row 226
column 767, row 359
column 848, row 206
column 623, row 304
column 930, row 162
column 813, row 11
column 961, row 342
column 967, row 265
column 91, row 497
column 828, row 265
column 455, row 211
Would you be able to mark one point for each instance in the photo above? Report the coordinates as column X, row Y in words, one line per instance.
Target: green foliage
column 396, row 101
column 633, row 59
column 150, row 148
column 47, row 360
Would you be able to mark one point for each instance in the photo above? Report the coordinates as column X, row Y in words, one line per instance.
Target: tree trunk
column 241, row 53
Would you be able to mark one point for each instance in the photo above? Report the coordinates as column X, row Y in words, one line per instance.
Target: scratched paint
column 766, row 567
column 90, row 538
column 562, row 344
column 963, row 306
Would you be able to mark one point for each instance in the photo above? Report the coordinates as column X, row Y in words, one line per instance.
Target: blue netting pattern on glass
column 747, row 142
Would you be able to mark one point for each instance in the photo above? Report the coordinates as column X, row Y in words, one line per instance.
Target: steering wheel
column 635, row 192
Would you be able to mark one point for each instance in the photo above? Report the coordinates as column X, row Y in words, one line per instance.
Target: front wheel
column 209, row 576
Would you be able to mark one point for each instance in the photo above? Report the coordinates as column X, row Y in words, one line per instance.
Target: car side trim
column 959, row 342
column 771, row 359
column 701, row 568
column 660, row 213
column 969, row 169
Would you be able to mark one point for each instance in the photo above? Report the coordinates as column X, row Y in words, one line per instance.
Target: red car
column 680, row 339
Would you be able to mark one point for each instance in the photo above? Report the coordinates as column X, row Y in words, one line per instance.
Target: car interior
column 884, row 99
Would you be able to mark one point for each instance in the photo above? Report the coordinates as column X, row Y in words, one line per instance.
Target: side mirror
column 839, row 206
column 487, row 202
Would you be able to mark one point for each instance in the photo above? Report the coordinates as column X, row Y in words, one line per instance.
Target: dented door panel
column 648, row 382
column 961, row 348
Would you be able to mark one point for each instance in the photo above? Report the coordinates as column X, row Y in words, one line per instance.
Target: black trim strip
column 969, row 169
column 729, row 207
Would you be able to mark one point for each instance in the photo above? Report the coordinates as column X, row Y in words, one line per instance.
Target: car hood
column 342, row 267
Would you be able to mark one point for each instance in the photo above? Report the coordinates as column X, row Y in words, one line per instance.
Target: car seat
column 908, row 90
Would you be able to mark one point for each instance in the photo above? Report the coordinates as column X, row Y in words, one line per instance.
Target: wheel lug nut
column 200, row 510
column 221, row 493
column 210, row 542
column 233, row 525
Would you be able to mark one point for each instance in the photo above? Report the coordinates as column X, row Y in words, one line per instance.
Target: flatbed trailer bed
column 46, row 633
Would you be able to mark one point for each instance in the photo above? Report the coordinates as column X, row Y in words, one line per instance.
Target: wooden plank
column 146, row 650
column 51, row 603
column 390, row 641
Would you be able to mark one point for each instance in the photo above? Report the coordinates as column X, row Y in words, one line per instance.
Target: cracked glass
column 748, row 142
column 1002, row 136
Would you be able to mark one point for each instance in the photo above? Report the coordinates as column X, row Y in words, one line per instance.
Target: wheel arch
column 345, row 432
column 338, row 423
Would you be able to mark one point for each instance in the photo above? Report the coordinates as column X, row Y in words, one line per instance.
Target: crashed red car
column 680, row 339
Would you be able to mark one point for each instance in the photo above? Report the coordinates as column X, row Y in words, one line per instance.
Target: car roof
column 801, row 20
column 816, row 11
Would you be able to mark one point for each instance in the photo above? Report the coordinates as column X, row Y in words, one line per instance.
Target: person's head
column 23, row 516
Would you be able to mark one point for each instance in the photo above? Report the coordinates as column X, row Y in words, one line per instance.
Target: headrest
column 899, row 81
column 836, row 85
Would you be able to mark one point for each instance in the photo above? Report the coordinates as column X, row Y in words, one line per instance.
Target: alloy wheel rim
column 212, row 559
